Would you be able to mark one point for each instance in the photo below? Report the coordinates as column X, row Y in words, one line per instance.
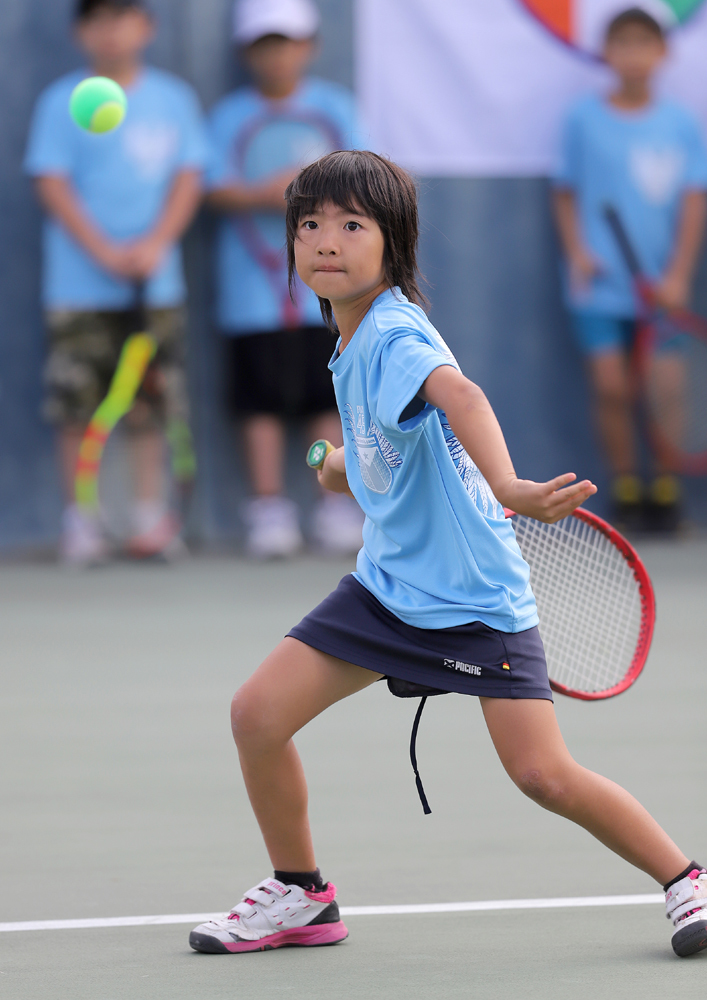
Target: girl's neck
column 631, row 95
column 349, row 313
column 124, row 73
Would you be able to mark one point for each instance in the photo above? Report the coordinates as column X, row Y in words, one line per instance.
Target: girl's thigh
column 526, row 735
column 292, row 685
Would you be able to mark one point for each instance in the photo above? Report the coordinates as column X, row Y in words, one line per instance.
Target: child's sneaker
column 161, row 541
column 82, row 543
column 273, row 530
column 273, row 915
column 686, row 906
column 337, row 524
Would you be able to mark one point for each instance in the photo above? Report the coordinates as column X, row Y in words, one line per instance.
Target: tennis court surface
column 122, row 799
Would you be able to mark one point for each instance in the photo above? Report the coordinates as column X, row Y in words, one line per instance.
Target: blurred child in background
column 278, row 351
column 117, row 205
column 644, row 156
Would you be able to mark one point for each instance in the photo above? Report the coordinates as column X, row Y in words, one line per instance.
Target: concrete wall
column 489, row 252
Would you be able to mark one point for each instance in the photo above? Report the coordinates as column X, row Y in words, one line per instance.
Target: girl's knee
column 252, row 725
column 546, row 789
column 550, row 785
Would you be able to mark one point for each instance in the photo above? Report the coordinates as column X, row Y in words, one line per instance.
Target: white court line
column 348, row 911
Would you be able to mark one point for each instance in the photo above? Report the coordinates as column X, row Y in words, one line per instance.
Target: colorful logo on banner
column 581, row 23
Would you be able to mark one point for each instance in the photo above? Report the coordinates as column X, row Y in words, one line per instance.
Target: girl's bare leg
column 529, row 743
column 292, row 686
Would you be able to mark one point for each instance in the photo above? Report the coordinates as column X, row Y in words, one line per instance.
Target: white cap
column 252, row 19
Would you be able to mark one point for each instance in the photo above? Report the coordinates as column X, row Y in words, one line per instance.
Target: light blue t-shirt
column 122, row 179
column 253, row 138
column 641, row 163
column 437, row 549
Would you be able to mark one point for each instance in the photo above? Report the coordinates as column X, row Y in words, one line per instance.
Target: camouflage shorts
column 83, row 352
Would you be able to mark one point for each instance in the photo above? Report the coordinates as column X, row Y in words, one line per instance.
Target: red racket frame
column 647, row 597
column 670, row 455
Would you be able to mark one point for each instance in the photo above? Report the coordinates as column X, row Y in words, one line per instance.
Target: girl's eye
column 351, row 227
column 310, row 224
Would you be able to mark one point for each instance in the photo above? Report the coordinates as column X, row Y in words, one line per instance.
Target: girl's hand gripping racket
column 595, row 602
column 670, row 362
column 137, row 352
column 318, row 452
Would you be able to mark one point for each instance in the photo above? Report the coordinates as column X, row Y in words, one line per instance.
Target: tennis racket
column 595, row 602
column 318, row 452
column 137, row 352
column 670, row 364
column 272, row 143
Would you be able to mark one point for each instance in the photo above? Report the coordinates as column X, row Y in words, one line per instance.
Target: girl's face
column 339, row 254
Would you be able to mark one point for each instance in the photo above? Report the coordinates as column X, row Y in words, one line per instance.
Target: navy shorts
column 476, row 659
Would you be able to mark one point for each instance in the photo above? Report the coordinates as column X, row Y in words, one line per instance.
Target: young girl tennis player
column 441, row 594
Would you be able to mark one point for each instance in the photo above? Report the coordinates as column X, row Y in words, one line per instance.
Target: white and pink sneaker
column 273, row 915
column 686, row 906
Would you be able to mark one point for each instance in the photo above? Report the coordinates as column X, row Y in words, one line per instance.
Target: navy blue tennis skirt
column 475, row 659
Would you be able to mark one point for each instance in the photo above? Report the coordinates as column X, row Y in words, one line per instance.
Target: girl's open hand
column 548, row 502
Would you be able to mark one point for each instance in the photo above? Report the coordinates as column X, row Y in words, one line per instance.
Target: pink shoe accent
column 304, row 936
column 696, row 872
column 326, row 896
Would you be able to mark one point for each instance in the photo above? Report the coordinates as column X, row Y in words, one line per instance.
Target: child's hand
column 144, row 256
column 271, row 192
column 332, row 475
column 672, row 291
column 547, row 502
column 583, row 268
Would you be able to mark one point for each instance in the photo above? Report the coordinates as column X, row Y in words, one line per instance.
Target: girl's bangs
column 346, row 189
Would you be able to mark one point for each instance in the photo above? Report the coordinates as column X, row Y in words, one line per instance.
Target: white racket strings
column 588, row 602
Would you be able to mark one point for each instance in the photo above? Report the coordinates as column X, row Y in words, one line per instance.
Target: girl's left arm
column 473, row 421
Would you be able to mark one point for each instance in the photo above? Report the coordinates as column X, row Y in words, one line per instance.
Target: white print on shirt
column 476, row 486
column 656, row 172
column 151, row 146
column 376, row 455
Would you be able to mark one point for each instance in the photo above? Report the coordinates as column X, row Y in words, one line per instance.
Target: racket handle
column 318, row 452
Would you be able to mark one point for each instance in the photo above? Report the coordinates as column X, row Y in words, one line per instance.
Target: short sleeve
column 406, row 360
column 194, row 152
column 567, row 173
column 50, row 148
column 696, row 159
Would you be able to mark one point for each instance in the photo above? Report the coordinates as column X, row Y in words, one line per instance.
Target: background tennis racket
column 670, row 364
column 595, row 599
column 271, row 144
column 137, row 352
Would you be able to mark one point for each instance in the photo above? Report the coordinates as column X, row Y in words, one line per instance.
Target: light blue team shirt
column 253, row 138
column 122, row 179
column 641, row 163
column 437, row 549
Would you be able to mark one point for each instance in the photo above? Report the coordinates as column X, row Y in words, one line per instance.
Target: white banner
column 454, row 88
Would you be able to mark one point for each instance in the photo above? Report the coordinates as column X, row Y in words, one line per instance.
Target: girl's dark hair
column 362, row 182
column 634, row 15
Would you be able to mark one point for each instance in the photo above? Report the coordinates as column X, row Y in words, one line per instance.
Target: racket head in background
column 275, row 142
column 595, row 602
column 671, row 364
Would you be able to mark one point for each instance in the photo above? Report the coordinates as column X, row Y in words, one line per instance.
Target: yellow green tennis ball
column 98, row 104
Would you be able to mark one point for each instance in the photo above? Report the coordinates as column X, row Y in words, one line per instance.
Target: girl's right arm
column 332, row 474
column 473, row 421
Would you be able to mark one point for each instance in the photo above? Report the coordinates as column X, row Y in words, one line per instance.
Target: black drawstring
column 413, row 758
